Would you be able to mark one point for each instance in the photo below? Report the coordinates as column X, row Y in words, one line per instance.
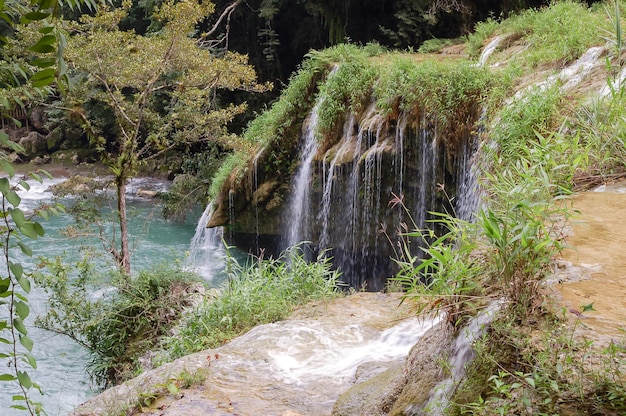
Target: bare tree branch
column 226, row 14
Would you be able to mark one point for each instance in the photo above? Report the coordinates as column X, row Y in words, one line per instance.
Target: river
column 61, row 362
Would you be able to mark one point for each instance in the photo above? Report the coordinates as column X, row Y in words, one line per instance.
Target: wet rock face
column 374, row 178
column 401, row 387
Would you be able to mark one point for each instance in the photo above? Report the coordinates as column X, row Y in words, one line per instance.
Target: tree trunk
column 124, row 257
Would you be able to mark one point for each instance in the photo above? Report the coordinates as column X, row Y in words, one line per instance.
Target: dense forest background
column 277, row 34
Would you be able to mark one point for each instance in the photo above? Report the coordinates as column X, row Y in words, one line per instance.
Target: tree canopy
column 160, row 89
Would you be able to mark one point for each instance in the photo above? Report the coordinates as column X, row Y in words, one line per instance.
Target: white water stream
column 299, row 201
column 206, row 251
column 298, row 366
column 462, row 355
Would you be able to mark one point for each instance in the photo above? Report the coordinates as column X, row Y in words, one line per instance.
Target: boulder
column 54, row 139
column 38, row 119
column 34, row 144
column 400, row 388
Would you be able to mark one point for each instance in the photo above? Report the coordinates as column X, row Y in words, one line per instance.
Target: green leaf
column 22, row 310
column 24, row 185
column 43, row 77
column 588, row 307
column 26, row 342
column 39, row 229
column 42, row 83
column 7, row 167
column 5, row 284
column 28, row 229
column 18, row 216
column 24, row 379
column 25, row 249
column 13, row 198
column 24, row 284
column 43, row 74
column 5, row 186
column 17, row 406
column 46, row 29
column 7, row 377
column 44, row 62
column 42, row 48
column 5, row 341
column 16, row 269
column 19, row 325
column 172, row 388
column 30, row 360
column 33, row 16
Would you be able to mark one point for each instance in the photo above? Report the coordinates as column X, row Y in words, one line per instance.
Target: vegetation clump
column 253, row 294
column 125, row 322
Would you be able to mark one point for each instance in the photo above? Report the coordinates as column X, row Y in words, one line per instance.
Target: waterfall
column 340, row 199
column 206, row 251
column 489, row 50
column 329, row 177
column 299, row 203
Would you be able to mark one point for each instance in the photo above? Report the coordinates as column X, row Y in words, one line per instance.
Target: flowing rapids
column 294, row 367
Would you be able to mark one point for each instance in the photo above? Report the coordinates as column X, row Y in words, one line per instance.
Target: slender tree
column 30, row 63
column 160, row 88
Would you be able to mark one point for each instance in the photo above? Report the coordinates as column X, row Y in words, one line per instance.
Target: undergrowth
column 263, row 292
column 124, row 322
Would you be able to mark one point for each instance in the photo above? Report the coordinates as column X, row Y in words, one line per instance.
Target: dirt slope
column 593, row 269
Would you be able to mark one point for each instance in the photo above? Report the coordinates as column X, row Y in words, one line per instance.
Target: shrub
column 121, row 324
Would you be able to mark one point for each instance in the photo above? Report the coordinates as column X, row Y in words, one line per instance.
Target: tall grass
column 263, row 292
column 549, row 34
